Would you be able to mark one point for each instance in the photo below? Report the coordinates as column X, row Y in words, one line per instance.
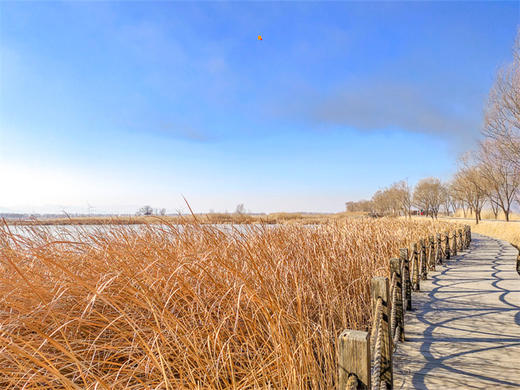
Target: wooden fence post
column 424, row 269
column 447, row 245
column 415, row 267
column 460, row 241
column 395, row 269
column 380, row 289
column 431, row 254
column 454, row 246
column 407, row 286
column 438, row 251
column 354, row 358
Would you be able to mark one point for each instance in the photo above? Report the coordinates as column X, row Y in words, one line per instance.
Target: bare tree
column 359, row 206
column 145, row 210
column 500, row 176
column 429, row 194
column 240, row 209
column 450, row 203
column 394, row 200
column 380, row 203
column 502, row 114
column 403, row 194
column 494, row 206
column 468, row 185
column 454, row 200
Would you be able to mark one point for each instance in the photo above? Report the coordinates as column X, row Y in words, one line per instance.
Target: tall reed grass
column 188, row 307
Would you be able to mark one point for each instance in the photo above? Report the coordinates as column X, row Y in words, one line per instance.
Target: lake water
column 81, row 232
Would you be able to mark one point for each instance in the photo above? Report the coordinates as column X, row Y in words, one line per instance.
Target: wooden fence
column 365, row 359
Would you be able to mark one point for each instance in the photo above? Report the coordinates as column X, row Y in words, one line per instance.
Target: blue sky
column 120, row 104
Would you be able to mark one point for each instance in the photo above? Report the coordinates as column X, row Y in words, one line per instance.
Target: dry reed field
column 188, row 307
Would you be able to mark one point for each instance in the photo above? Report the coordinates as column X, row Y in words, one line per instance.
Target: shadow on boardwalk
column 464, row 331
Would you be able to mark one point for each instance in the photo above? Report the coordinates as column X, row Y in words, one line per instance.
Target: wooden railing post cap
column 379, row 288
column 354, row 358
column 379, row 280
column 358, row 335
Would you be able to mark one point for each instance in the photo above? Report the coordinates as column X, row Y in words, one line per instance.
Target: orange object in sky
column 259, row 37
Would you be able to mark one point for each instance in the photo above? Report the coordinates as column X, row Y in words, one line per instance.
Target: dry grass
column 191, row 306
column 487, row 214
column 508, row 231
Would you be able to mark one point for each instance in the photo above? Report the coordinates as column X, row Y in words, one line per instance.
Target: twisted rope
column 376, row 320
column 393, row 284
column 393, row 312
column 406, row 280
column 396, row 337
column 416, row 269
column 432, row 256
column 422, row 260
column 376, row 355
column 412, row 271
column 352, row 383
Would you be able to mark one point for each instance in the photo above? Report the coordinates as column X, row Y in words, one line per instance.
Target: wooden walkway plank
column 464, row 330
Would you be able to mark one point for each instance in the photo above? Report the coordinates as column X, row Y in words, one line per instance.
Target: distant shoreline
column 214, row 218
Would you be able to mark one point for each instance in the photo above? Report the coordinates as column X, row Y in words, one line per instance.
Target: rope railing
column 352, row 382
column 439, row 253
column 406, row 287
column 365, row 359
column 415, row 278
column 376, row 341
column 394, row 327
column 424, row 268
column 376, row 318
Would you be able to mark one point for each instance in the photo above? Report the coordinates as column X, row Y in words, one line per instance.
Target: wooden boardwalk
column 464, row 330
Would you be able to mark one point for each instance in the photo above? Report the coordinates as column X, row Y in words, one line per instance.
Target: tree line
column 488, row 176
column 149, row 210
